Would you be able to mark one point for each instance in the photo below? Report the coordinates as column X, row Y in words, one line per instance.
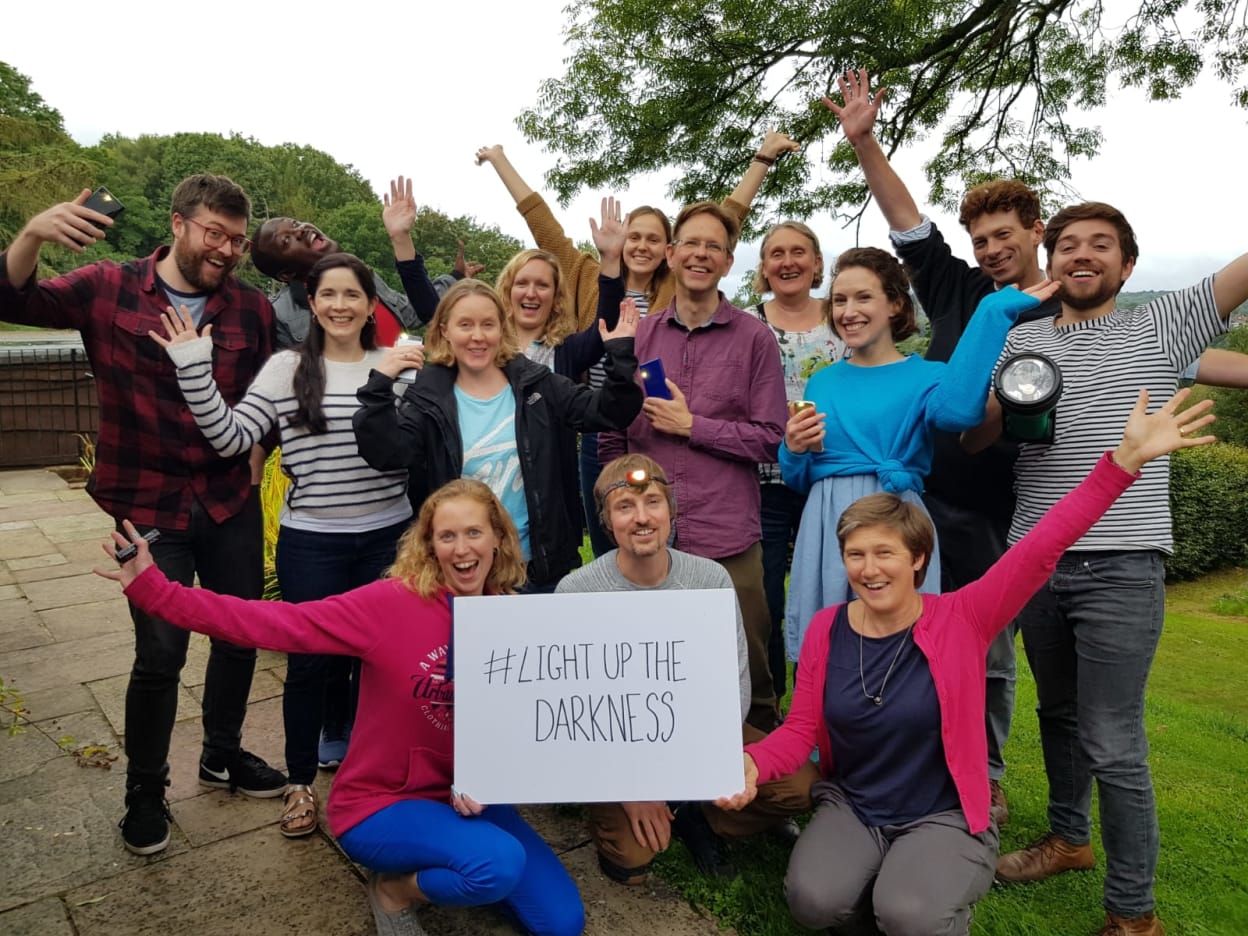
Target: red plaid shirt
column 151, row 460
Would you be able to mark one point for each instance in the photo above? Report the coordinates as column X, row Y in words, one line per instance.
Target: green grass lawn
column 1197, row 718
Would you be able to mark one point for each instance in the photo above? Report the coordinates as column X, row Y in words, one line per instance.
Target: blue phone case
column 654, row 379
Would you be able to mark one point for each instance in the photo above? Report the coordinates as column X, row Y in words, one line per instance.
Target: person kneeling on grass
column 637, row 509
column 392, row 807
column 890, row 686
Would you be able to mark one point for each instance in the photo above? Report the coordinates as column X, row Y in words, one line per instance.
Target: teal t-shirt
column 488, row 428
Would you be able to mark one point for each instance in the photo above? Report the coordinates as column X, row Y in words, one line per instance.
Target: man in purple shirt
column 726, row 414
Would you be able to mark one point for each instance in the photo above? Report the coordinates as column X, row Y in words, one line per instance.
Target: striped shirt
column 332, row 489
column 1105, row 362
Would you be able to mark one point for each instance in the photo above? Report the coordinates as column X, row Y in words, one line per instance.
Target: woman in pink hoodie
column 392, row 807
column 890, row 688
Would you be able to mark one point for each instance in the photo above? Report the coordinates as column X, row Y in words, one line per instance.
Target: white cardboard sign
column 600, row 697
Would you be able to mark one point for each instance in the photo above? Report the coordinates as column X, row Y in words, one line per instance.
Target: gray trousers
column 915, row 879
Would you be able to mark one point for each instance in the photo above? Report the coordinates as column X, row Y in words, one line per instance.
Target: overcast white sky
column 417, row 88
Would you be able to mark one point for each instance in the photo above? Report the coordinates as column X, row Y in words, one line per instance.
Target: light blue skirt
column 818, row 578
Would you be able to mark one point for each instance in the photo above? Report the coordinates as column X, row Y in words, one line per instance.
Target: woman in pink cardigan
column 392, row 807
column 890, row 688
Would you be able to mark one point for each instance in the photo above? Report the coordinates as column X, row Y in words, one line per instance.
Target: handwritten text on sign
column 597, row 697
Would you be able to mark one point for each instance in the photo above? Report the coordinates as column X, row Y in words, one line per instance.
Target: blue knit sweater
column 880, row 419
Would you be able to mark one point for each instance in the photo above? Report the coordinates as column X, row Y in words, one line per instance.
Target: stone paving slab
column 59, row 701
column 31, row 481
column 46, row 509
column 250, row 884
column 88, row 619
column 16, row 544
column 71, row 590
column 75, row 661
column 92, row 525
column 41, row 568
column 110, row 696
column 46, row 917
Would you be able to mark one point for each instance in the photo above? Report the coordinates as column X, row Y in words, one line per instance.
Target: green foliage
column 18, row 101
column 1209, row 502
column 693, row 84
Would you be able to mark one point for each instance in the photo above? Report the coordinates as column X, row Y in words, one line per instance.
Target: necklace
column 878, row 698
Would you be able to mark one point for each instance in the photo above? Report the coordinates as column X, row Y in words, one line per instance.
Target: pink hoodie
column 953, row 633
column 402, row 742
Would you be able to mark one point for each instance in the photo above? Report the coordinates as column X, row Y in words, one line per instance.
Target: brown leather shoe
column 999, row 808
column 1146, row 925
column 1043, row 858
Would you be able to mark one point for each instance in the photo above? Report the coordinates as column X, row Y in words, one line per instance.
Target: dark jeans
column 228, row 558
column 311, row 566
column 970, row 542
column 781, row 513
column 1090, row 636
column 599, row 542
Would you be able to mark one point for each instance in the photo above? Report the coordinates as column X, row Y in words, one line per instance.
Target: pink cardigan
column 953, row 632
column 402, row 742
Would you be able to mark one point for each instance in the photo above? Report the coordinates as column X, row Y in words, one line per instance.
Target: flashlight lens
column 1028, row 380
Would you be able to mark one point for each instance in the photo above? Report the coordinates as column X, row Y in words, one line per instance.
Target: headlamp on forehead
column 1028, row 387
column 638, row 480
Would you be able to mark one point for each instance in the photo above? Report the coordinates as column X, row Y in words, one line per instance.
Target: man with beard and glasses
column 286, row 250
column 1090, row 636
column 154, row 466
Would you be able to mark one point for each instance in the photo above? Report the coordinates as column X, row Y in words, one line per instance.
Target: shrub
column 1209, row 500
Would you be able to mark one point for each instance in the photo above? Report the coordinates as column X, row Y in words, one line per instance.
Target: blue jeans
column 495, row 857
column 310, row 566
column 590, row 470
column 1090, row 636
column 781, row 514
column 228, row 558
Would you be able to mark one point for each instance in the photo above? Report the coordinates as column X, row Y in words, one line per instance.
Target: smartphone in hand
column 654, row 379
column 105, row 202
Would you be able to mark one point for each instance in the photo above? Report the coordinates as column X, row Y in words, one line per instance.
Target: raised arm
column 1222, row 368
column 344, row 624
column 775, row 145
column 857, row 115
column 516, row 186
column 1230, row 286
column 68, row 224
column 229, row 431
column 399, row 215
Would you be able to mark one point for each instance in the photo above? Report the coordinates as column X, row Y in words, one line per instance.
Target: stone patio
column 66, row 648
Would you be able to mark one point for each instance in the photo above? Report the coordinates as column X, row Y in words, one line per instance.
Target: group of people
column 795, row 428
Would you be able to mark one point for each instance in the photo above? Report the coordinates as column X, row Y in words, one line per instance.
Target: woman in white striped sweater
column 341, row 519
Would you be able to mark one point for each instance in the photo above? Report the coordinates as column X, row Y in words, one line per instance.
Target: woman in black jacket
column 480, row 409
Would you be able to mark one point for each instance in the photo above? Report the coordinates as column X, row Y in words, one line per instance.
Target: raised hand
column 399, row 213
column 131, row 570
column 608, row 234
column 776, row 143
column 626, row 327
column 858, row 112
column 69, row 224
column 179, row 326
column 468, row 269
column 489, row 153
column 1149, row 435
column 1043, row 290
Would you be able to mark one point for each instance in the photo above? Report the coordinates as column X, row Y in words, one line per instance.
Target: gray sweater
column 688, row 571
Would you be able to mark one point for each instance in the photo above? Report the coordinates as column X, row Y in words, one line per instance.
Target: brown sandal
column 298, row 811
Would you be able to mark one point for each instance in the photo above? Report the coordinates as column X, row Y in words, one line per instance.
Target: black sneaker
column 705, row 847
column 145, row 826
column 245, row 773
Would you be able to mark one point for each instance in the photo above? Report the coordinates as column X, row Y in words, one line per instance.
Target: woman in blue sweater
column 870, row 429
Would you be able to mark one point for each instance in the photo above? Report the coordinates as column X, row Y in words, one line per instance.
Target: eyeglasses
column 711, row 247
column 215, row 237
column 638, row 480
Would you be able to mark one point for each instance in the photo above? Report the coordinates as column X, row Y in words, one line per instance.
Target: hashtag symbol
column 498, row 664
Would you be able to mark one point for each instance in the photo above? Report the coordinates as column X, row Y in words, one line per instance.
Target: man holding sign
column 637, row 509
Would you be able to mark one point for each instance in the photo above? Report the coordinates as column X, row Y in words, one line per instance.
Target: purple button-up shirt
column 730, row 373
